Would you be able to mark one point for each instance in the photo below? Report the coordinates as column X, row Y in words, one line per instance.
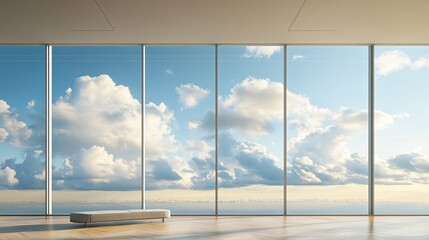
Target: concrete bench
column 119, row 215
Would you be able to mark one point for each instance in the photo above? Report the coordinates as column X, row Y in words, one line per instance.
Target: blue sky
column 24, row 68
column 329, row 74
column 121, row 63
column 22, row 89
column 96, row 117
column 327, row 140
column 169, row 67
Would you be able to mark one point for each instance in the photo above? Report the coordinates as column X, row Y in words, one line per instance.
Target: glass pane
column 180, row 91
column 96, row 108
column 22, row 129
column 327, row 135
column 401, row 140
column 250, row 107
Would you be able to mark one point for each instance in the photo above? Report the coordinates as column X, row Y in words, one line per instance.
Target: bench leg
column 163, row 219
column 85, row 225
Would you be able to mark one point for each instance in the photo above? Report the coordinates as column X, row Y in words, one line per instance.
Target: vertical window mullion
column 143, row 109
column 216, row 133
column 284, row 130
column 48, row 130
column 371, row 131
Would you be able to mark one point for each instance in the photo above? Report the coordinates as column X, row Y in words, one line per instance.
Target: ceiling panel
column 318, row 15
column 214, row 21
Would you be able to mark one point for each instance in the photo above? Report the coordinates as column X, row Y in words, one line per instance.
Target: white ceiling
column 214, row 21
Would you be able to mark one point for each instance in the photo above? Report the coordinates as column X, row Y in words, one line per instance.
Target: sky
column 22, row 117
column 96, row 114
column 97, row 118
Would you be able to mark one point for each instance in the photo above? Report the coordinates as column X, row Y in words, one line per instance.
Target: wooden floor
column 225, row 227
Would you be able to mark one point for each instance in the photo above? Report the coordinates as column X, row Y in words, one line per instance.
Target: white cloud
column 169, row 72
column 200, row 148
column 303, row 115
column 16, row 131
column 422, row 62
column 40, row 176
column 261, row 51
column 4, row 107
column 96, row 168
column 97, row 131
column 31, row 104
column 97, row 165
column 319, row 152
column 194, row 124
column 160, row 140
column 3, row 135
column 190, row 94
column 403, row 168
column 38, row 151
column 391, row 61
column 23, row 173
column 297, row 57
column 252, row 106
column 97, row 112
column 7, row 177
column 247, row 163
column 350, row 119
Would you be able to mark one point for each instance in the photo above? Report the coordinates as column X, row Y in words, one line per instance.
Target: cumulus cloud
column 421, row 62
column 297, row 57
column 20, row 172
column 161, row 170
column 97, row 111
column 8, row 177
column 252, row 106
column 194, row 124
column 258, row 165
column 190, row 94
column 303, row 115
column 15, row 131
column 403, row 168
column 201, row 148
column 96, row 168
column 319, row 151
column 4, row 107
column 261, row 51
column 350, row 119
column 160, row 139
column 241, row 164
column 393, row 61
column 246, row 163
column 26, row 172
column 97, row 135
column 3, row 135
column 168, row 173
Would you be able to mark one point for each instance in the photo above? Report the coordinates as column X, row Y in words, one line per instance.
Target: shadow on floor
column 64, row 226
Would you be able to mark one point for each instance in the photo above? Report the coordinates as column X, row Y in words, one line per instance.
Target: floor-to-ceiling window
column 401, row 137
column 179, row 128
column 96, row 131
column 327, row 134
column 250, row 123
column 22, row 129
